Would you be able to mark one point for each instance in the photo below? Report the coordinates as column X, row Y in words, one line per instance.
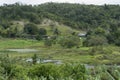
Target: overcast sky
column 97, row 2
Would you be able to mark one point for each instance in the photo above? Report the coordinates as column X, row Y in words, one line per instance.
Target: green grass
column 80, row 55
column 19, row 43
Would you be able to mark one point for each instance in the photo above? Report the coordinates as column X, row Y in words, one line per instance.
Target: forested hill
column 94, row 19
column 74, row 15
column 84, row 16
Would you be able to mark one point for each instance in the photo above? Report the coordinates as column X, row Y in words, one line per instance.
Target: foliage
column 42, row 31
column 48, row 42
column 45, row 70
column 69, row 41
column 56, row 32
column 68, row 71
column 114, row 37
column 102, row 20
column 31, row 28
column 34, row 59
column 95, row 40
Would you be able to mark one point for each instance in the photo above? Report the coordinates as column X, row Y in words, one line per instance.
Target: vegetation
column 85, row 38
column 10, row 69
column 31, row 29
column 100, row 20
column 108, row 54
column 69, row 41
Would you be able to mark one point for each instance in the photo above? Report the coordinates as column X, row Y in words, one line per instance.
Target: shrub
column 45, row 70
column 95, row 41
column 69, row 41
column 31, row 28
column 48, row 42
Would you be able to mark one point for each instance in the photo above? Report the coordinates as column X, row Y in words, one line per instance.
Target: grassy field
column 106, row 55
column 19, row 43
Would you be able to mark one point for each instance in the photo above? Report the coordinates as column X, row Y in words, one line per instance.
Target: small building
column 82, row 34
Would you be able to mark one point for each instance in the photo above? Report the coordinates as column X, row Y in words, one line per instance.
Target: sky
column 34, row 2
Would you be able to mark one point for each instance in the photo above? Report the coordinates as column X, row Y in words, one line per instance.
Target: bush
column 96, row 50
column 58, row 72
column 31, row 28
column 39, row 37
column 19, row 72
column 69, row 41
column 95, row 40
column 42, row 31
column 75, row 71
column 48, row 42
column 45, row 70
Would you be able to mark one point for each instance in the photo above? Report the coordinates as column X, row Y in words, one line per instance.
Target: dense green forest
column 103, row 20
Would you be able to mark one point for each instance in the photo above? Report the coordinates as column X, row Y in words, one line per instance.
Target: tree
column 114, row 37
column 12, row 31
column 95, row 40
column 117, row 41
column 48, row 42
column 42, row 31
column 56, row 31
column 99, row 31
column 33, row 18
column 31, row 29
column 34, row 59
column 69, row 41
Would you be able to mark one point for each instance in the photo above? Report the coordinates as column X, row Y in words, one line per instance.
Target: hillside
column 92, row 19
column 74, row 15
